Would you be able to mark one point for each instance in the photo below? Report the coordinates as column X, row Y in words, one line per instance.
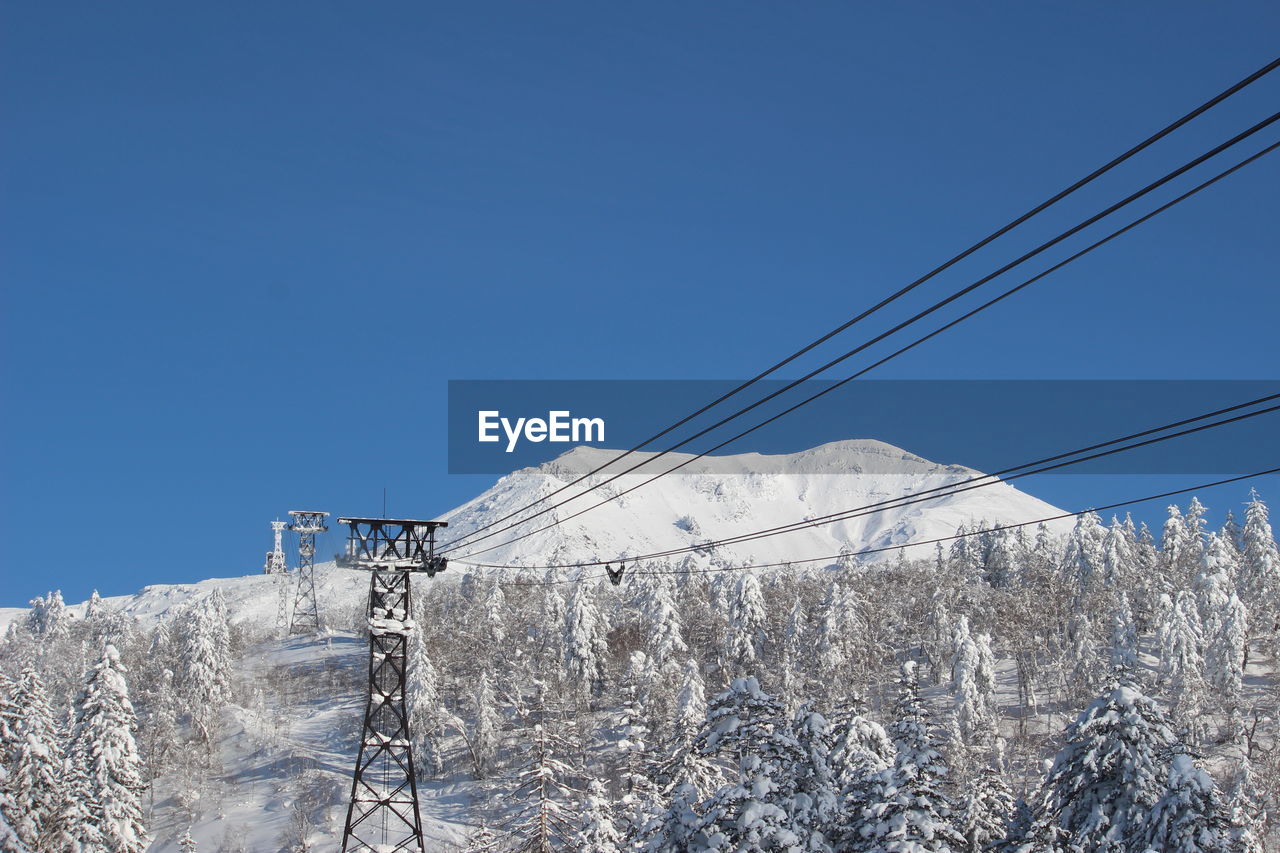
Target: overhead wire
column 840, row 383
column 1131, row 152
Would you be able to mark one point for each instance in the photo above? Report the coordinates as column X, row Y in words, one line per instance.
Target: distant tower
column 275, row 557
column 306, row 613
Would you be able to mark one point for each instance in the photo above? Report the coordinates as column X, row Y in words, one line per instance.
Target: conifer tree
column 745, row 638
column 104, row 749
column 1190, row 817
column 425, row 712
column 1181, row 663
column 664, row 635
column 585, row 645
column 1260, row 569
column 908, row 812
column 9, row 841
column 1106, row 778
column 484, row 739
column 37, row 783
column 985, row 811
column 595, row 825
column 972, row 684
column 204, row 679
column 1124, row 637
column 482, row 840
column 186, row 843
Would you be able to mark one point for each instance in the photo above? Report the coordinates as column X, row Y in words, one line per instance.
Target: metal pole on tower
column 382, row 816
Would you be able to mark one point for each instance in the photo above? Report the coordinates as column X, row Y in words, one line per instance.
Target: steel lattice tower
column 306, row 613
column 383, row 814
column 275, row 563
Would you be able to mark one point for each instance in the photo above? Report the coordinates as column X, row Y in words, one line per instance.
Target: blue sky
column 246, row 247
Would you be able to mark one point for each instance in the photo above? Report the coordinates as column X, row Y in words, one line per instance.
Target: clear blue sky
column 246, row 245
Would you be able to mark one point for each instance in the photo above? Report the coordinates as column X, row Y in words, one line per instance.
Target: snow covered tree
column 104, row 749
column 1109, row 774
column 973, row 686
column 585, row 644
column 595, row 829
column 985, row 811
column 1246, row 802
column 745, row 816
column 204, row 677
column 423, row 698
column 691, row 701
column 484, row 738
column 1084, row 558
column 663, row 631
column 1181, row 662
column 1124, row 637
column 1224, row 657
column 48, row 618
column 9, row 840
column 544, row 821
column 186, row 843
column 908, row 812
column 1260, row 569
column 1190, row 817
column 745, row 637
column 37, row 781
column 482, row 840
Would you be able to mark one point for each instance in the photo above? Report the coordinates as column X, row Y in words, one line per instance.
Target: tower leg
column 383, row 814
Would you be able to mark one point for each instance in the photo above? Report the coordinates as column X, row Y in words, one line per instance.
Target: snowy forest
column 1112, row 689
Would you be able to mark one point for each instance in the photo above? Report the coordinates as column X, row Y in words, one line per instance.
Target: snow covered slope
column 718, row 497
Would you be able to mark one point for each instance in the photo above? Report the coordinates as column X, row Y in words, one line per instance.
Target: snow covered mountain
column 717, row 497
column 710, row 498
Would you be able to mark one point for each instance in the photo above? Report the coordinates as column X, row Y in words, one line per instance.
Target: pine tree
column 664, row 636
column 1124, row 637
column 691, row 701
column 1181, row 663
column 37, row 783
column 1190, row 817
column 860, row 751
column 9, row 841
column 584, row 642
column 186, row 843
column 48, row 618
column 745, row 816
column 595, row 826
column 103, row 746
column 1106, row 778
column 985, row 811
column 1260, row 568
column 973, row 686
column 1246, row 801
column 423, row 694
column 484, row 739
column 908, row 812
column 1084, row 558
column 744, row 643
column 204, row 678
column 1224, row 657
